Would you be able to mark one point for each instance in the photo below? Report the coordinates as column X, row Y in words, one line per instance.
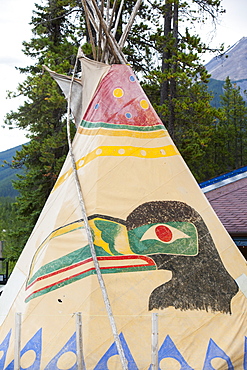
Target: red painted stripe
column 134, row 257
column 58, row 282
column 149, row 261
column 80, row 273
column 59, row 271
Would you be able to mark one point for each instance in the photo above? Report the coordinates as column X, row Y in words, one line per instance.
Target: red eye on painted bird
column 164, row 233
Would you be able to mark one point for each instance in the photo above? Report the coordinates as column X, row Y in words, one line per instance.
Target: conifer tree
column 230, row 135
column 226, row 148
column 57, row 32
column 176, row 86
column 9, row 229
column 55, row 42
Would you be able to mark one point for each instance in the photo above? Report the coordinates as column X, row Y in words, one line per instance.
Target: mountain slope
column 231, row 64
column 7, row 174
column 216, row 87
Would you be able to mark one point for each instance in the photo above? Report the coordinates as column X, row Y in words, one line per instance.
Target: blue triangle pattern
column 169, row 350
column 213, row 352
column 34, row 344
column 245, row 353
column 4, row 348
column 70, row 346
column 112, row 351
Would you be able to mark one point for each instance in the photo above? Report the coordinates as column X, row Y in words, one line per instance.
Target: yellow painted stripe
column 120, row 151
column 61, row 231
column 128, row 133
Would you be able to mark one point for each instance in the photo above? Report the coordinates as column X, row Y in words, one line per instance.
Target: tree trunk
column 168, row 86
column 173, row 84
column 164, row 93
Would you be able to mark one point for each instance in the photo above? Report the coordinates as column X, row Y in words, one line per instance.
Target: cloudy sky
column 15, row 16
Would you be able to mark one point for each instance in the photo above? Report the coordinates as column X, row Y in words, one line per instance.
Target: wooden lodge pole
column 17, row 344
column 79, row 343
column 155, row 364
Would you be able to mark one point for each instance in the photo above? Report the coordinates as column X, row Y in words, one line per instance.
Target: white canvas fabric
column 76, row 93
column 160, row 246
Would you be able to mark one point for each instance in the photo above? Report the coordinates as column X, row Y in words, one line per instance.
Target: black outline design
column 198, row 282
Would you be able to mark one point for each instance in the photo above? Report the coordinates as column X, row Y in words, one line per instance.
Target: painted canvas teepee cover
column 159, row 244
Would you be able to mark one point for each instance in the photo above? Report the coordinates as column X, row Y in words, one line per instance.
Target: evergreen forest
column 167, row 56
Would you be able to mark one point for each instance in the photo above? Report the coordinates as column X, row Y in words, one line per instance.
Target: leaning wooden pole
column 129, row 24
column 88, row 20
column 90, row 236
column 118, row 18
column 109, row 26
column 118, row 55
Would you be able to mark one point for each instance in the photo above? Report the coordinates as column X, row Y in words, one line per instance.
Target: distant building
column 227, row 195
column 4, row 268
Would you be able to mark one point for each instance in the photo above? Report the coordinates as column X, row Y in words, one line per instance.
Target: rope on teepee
column 89, row 234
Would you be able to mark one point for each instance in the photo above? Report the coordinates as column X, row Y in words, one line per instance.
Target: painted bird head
column 176, row 238
column 199, row 278
column 168, row 235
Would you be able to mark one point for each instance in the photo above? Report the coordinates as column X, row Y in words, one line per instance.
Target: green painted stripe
column 70, row 259
column 88, row 273
column 88, row 124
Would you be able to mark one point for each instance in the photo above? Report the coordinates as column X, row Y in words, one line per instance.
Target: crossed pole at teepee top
column 99, row 20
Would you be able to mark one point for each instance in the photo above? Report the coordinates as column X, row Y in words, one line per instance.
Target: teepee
column 128, row 267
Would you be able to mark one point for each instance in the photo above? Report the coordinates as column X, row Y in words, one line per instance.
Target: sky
column 15, row 16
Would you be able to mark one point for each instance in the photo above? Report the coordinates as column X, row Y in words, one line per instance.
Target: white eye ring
column 170, row 234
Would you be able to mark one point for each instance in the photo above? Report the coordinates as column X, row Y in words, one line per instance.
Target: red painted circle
column 163, row 233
